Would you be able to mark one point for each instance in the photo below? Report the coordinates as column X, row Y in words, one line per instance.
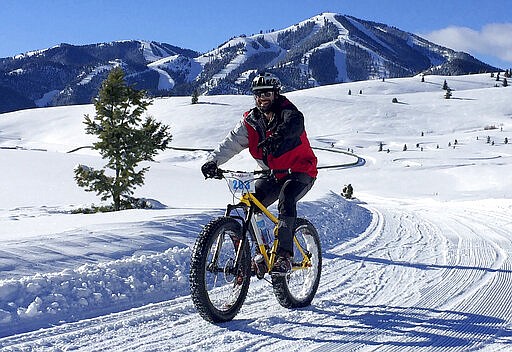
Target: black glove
column 271, row 143
column 210, row 170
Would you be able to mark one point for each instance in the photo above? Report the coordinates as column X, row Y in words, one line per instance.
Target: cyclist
column 274, row 133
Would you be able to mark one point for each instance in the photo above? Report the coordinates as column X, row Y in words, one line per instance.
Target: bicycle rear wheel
column 218, row 286
column 297, row 289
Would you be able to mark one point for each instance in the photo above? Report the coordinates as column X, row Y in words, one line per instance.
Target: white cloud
column 494, row 39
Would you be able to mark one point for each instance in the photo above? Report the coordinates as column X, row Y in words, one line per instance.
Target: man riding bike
column 274, row 133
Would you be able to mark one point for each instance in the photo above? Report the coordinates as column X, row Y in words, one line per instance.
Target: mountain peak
column 324, row 49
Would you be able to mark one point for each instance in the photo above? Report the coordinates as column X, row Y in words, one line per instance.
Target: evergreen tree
column 124, row 140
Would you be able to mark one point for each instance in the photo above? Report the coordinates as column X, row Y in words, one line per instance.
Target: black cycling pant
column 288, row 190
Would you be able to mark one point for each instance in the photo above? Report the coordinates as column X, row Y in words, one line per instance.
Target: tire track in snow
column 390, row 273
column 465, row 273
column 487, row 296
column 413, row 281
column 477, row 276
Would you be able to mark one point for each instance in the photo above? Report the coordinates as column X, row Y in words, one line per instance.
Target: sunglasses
column 264, row 94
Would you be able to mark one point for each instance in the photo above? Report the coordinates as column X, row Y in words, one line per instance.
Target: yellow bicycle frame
column 248, row 199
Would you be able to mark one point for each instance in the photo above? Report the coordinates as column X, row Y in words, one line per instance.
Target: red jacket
column 294, row 152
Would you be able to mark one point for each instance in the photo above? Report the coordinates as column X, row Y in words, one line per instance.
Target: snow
column 46, row 99
column 149, row 48
column 419, row 260
column 165, row 82
column 174, row 63
column 369, row 34
column 87, row 78
column 18, row 71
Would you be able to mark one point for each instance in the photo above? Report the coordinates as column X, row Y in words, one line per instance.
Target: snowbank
column 45, row 299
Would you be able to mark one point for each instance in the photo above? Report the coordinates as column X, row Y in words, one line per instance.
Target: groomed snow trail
column 414, row 280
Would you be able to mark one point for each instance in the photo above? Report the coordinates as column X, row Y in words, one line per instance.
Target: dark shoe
column 282, row 266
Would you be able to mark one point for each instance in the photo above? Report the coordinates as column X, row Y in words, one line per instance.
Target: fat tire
column 286, row 296
column 198, row 285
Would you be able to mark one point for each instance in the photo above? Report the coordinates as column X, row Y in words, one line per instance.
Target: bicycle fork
column 268, row 251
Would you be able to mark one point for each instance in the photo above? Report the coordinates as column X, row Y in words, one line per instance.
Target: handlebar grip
column 281, row 171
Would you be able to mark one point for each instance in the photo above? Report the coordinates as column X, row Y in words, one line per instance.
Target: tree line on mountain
column 304, row 56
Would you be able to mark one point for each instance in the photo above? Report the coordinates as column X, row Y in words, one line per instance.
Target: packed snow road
column 422, row 276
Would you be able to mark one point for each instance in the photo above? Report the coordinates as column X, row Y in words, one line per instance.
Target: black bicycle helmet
column 266, row 81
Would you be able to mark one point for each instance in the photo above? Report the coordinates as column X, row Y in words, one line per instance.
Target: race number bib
column 241, row 182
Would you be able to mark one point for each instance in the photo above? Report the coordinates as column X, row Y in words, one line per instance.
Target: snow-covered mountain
column 325, row 49
column 68, row 74
column 329, row 48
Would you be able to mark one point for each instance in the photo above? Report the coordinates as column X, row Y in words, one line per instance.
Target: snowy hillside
column 420, row 260
column 325, row 49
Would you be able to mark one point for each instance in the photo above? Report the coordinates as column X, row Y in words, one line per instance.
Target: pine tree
column 124, row 140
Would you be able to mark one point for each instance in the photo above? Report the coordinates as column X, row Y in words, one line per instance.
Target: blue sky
column 481, row 28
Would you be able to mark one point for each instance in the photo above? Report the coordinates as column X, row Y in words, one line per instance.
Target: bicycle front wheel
column 297, row 289
column 218, row 284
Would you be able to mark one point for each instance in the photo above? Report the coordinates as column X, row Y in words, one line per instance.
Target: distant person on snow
column 274, row 133
column 347, row 191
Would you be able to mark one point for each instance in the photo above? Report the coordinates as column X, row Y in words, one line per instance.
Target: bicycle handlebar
column 268, row 172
